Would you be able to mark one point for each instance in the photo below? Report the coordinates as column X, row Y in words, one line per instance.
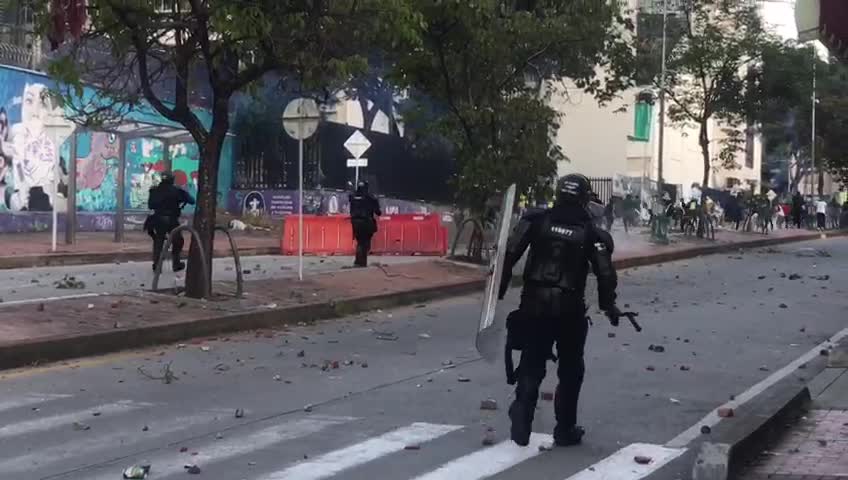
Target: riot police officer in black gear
column 167, row 201
column 564, row 243
column 363, row 207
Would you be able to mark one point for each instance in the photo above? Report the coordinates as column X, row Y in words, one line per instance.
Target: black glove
column 614, row 315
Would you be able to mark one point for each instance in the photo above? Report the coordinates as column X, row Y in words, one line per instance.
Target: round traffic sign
column 300, row 118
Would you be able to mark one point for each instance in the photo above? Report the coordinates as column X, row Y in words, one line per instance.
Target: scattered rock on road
column 656, row 348
column 80, row 427
column 413, row 446
column 192, row 469
column 489, row 404
column 642, row 459
column 462, row 379
column 239, row 413
column 783, row 305
column 795, row 276
column 706, row 430
column 489, row 437
column 725, row 412
column 136, row 472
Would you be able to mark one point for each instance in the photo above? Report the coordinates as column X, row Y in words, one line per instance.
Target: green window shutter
column 642, row 122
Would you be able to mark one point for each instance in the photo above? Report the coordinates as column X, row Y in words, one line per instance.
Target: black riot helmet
column 362, row 187
column 167, row 178
column 574, row 189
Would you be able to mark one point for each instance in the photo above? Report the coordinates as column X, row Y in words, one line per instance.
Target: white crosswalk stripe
column 330, row 464
column 64, row 419
column 29, row 400
column 489, row 461
column 87, row 446
column 93, row 456
column 236, row 445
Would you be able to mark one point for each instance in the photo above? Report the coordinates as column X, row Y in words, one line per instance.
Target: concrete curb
column 738, row 440
column 51, row 349
column 724, row 452
column 90, row 258
column 720, row 248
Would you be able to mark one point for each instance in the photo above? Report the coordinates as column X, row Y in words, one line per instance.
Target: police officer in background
column 167, row 202
column 564, row 243
column 363, row 207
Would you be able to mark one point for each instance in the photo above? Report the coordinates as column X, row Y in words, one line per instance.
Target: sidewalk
column 24, row 250
column 817, row 446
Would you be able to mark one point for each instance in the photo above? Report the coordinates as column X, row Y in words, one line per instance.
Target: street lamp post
column 300, row 120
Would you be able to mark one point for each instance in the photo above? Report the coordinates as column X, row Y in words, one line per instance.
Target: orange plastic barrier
column 408, row 234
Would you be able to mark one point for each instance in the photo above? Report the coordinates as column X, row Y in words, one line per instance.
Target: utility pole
column 661, row 150
column 813, row 176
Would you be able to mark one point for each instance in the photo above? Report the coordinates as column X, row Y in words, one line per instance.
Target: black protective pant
column 821, row 220
column 161, row 228
column 568, row 332
column 796, row 219
column 363, row 230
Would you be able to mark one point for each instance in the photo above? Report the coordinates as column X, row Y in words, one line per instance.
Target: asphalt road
column 399, row 407
column 36, row 284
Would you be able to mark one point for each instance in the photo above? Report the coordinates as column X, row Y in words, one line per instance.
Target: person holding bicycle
column 167, row 201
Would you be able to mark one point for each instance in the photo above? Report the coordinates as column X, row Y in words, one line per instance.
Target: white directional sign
column 771, row 195
column 357, row 162
column 357, row 144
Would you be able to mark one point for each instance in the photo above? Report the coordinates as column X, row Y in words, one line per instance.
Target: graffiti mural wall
column 145, row 162
column 185, row 160
column 35, row 156
column 97, row 172
column 27, row 147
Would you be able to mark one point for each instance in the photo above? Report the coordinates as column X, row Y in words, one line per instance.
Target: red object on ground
column 396, row 235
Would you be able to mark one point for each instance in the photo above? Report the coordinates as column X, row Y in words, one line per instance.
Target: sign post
column 300, row 120
column 357, row 144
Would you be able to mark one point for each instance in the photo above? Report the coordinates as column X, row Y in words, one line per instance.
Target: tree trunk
column 204, row 221
column 207, row 202
column 704, row 141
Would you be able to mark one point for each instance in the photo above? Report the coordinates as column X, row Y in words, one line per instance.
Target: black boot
column 523, row 409
column 522, row 423
column 566, row 436
column 566, row 432
column 179, row 266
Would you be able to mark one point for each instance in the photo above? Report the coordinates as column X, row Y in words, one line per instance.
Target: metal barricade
column 165, row 252
column 236, row 259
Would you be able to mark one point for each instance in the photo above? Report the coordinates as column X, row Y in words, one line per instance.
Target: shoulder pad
column 532, row 214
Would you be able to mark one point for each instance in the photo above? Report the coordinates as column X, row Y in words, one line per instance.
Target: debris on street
column 489, row 437
column 642, row 459
column 167, row 376
column 725, row 412
column 137, row 472
column 239, row 413
column 192, row 469
column 69, row 283
column 656, row 348
column 706, row 430
column 489, row 404
column 81, row 427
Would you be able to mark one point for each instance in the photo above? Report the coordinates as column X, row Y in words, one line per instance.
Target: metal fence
column 603, row 187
